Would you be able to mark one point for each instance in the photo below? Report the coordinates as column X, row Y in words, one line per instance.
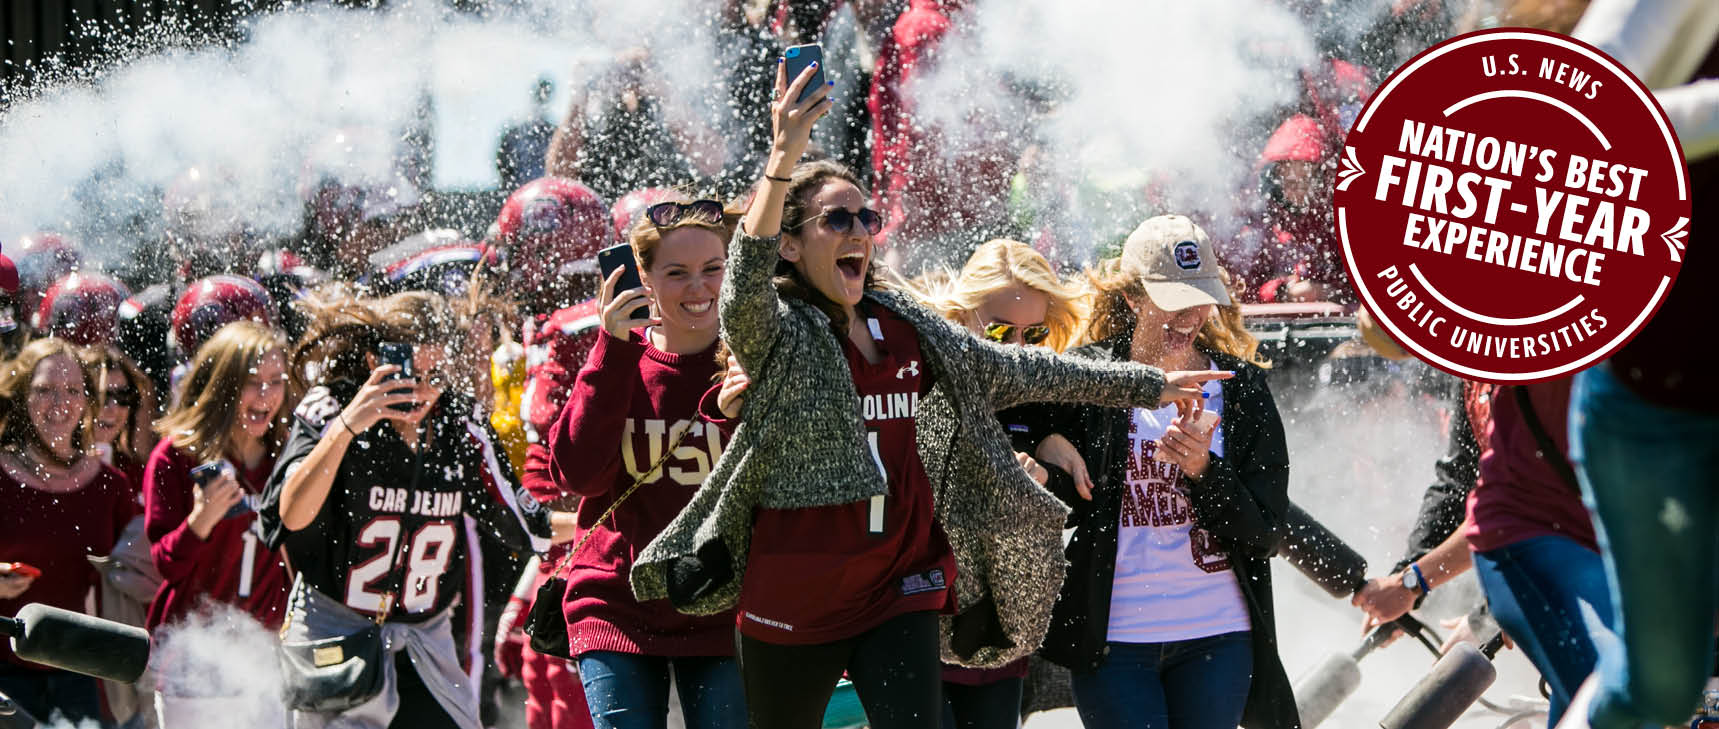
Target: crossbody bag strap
column 1548, row 450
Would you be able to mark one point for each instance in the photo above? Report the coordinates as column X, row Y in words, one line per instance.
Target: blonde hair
column 1112, row 286
column 201, row 423
column 16, row 428
column 995, row 266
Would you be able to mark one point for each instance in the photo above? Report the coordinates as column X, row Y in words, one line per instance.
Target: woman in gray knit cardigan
column 869, row 474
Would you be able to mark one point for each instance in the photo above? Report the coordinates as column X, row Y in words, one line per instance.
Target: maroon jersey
column 826, row 573
column 56, row 533
column 232, row 565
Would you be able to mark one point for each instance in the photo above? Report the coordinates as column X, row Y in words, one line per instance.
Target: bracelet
column 346, row 425
column 768, row 176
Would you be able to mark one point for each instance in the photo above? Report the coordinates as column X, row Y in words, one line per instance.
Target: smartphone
column 205, row 474
column 24, row 570
column 621, row 256
column 398, row 354
column 797, row 58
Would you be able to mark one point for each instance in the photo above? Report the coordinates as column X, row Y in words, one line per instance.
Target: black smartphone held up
column 621, row 256
column 398, row 354
column 207, row 473
column 796, row 58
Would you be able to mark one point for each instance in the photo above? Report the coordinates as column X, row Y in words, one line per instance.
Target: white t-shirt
column 1173, row 581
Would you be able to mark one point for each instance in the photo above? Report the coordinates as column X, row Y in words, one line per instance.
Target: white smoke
column 1123, row 95
column 218, row 669
column 93, row 158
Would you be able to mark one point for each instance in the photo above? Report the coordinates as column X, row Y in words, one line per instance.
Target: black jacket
column 1241, row 500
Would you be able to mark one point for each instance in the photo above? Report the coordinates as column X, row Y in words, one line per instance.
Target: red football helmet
column 631, row 205
column 82, row 308
column 43, row 258
column 214, row 302
column 550, row 228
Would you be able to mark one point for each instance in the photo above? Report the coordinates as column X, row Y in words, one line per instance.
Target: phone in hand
column 207, row 473
column 24, row 570
column 398, row 354
column 795, row 60
column 621, row 257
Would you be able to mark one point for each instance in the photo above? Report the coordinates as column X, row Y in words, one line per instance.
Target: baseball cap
column 1175, row 262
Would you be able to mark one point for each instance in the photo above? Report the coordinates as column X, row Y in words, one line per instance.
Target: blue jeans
column 629, row 691
column 1651, row 478
column 1189, row 684
column 1550, row 595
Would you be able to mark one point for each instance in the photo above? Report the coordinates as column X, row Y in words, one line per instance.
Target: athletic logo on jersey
column 318, row 406
column 912, row 368
column 927, row 581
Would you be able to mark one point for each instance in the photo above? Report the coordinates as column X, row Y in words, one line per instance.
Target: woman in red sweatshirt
column 200, row 535
column 632, row 417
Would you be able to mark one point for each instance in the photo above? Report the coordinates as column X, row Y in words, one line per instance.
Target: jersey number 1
column 874, row 521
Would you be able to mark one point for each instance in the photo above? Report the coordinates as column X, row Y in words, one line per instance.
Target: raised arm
column 748, row 302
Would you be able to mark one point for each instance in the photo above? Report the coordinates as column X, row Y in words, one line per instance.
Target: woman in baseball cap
column 1167, row 610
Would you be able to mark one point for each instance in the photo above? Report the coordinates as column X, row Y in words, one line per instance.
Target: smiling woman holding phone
column 1165, row 620
column 369, row 498
column 217, row 449
column 869, row 488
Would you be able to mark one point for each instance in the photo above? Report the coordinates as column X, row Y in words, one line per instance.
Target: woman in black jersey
column 369, row 496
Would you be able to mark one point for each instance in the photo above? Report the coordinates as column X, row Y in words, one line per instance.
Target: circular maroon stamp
column 1513, row 205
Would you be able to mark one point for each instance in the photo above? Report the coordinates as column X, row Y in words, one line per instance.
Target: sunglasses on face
column 666, row 214
column 842, row 221
column 1004, row 333
column 124, row 397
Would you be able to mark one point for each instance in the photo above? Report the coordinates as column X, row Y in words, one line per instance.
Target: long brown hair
column 201, row 423
column 805, row 181
column 1113, row 285
column 104, row 362
column 344, row 328
column 17, row 431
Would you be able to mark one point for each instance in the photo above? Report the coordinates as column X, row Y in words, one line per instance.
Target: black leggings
column 419, row 709
column 995, row 705
column 894, row 668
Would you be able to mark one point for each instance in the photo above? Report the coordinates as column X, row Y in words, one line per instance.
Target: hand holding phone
column 797, row 59
column 398, row 354
column 207, row 473
column 625, row 289
column 21, row 569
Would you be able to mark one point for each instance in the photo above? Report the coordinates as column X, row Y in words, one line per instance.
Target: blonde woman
column 1165, row 618
column 1007, row 293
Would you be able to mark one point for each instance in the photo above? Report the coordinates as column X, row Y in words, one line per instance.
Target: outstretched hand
column 791, row 118
column 1183, row 388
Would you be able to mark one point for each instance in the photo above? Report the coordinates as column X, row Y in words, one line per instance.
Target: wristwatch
column 1414, row 581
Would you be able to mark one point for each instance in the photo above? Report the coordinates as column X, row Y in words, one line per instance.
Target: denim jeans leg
column 711, row 693
column 1651, row 478
column 1206, row 680
column 625, row 691
column 1125, row 692
column 1549, row 594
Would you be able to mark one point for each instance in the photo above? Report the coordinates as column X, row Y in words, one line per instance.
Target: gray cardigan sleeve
column 748, row 303
column 1017, row 375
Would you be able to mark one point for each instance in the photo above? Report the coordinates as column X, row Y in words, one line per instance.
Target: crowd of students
column 778, row 466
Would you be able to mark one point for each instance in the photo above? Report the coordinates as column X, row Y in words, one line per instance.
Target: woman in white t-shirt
column 1165, row 618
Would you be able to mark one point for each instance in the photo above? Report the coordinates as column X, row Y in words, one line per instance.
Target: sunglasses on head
column 666, row 214
column 1001, row 333
column 842, row 221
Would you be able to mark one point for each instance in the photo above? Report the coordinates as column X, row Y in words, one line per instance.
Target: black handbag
column 546, row 623
column 331, row 675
